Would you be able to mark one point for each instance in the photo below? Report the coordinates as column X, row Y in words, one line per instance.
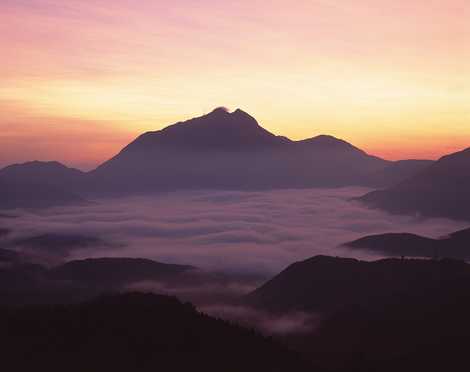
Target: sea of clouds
column 238, row 240
column 251, row 232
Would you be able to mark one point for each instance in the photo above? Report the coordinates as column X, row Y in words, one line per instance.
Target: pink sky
column 80, row 79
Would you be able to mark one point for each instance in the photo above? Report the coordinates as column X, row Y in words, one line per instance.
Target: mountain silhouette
column 115, row 272
column 39, row 185
column 53, row 247
column 386, row 315
column 220, row 150
column 26, row 195
column 50, row 173
column 456, row 245
column 397, row 172
column 219, row 129
column 327, row 284
column 440, row 190
column 23, row 282
column 223, row 150
column 134, row 332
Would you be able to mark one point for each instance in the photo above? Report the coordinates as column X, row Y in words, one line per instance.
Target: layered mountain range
column 134, row 332
column 455, row 245
column 220, row 150
column 224, row 150
column 439, row 190
column 230, row 150
column 39, row 185
column 386, row 315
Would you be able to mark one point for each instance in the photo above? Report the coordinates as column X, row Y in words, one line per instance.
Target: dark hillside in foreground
column 387, row 315
column 326, row 284
column 134, row 332
column 426, row 333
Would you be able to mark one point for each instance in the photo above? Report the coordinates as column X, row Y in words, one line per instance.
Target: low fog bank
column 202, row 288
column 296, row 322
column 221, row 296
column 251, row 232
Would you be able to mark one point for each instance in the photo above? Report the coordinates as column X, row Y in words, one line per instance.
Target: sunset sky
column 80, row 79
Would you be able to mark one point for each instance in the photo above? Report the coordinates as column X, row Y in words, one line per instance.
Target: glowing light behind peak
column 391, row 77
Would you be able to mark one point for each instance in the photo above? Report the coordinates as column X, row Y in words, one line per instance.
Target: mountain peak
column 219, row 128
column 36, row 164
column 324, row 141
column 460, row 156
column 38, row 167
column 38, row 184
column 221, row 110
column 240, row 113
column 224, row 116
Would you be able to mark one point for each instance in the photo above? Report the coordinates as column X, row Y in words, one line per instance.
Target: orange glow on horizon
column 80, row 80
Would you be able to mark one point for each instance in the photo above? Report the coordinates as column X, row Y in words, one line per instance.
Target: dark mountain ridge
column 386, row 315
column 25, row 283
column 231, row 151
column 218, row 129
column 115, row 272
column 50, row 248
column 47, row 173
column 440, row 190
column 328, row 284
column 456, row 245
column 220, row 150
column 39, row 185
column 398, row 171
column 134, row 332
column 28, row 195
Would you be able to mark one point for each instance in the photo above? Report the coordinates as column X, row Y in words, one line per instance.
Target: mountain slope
column 51, row 173
column 397, row 172
column 328, row 284
column 26, row 195
column 115, row 272
column 231, row 151
column 134, row 332
column 456, row 245
column 26, row 283
column 39, row 185
column 387, row 315
column 219, row 129
column 53, row 247
column 441, row 190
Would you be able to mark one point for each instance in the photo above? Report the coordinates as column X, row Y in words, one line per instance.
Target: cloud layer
column 250, row 232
